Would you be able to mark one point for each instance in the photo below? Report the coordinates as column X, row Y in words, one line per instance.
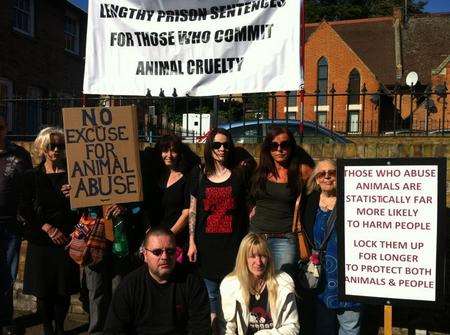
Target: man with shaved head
column 162, row 297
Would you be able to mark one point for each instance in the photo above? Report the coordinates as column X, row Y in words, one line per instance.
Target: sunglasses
column 53, row 146
column 159, row 252
column 329, row 173
column 274, row 146
column 218, row 145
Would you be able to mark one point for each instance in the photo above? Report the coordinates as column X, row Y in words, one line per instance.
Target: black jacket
column 14, row 161
column 40, row 203
column 131, row 309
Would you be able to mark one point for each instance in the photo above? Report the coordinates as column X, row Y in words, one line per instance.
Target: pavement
column 30, row 324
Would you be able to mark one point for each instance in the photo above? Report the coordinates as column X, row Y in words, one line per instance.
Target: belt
column 277, row 235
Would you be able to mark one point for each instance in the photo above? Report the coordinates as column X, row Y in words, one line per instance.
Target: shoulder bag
column 310, row 271
column 297, row 228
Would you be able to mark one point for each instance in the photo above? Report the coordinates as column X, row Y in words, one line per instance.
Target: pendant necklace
column 259, row 291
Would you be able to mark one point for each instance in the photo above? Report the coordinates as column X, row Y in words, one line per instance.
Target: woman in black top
column 50, row 274
column 277, row 184
column 217, row 214
column 173, row 187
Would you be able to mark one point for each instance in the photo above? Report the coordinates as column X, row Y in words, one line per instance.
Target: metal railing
column 413, row 112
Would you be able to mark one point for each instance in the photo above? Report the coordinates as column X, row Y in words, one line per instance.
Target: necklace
column 259, row 289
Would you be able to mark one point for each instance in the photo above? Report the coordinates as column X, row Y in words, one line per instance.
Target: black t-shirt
column 260, row 317
column 175, row 198
column 222, row 221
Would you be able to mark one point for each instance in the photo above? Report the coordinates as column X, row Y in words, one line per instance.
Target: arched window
column 322, row 80
column 354, row 86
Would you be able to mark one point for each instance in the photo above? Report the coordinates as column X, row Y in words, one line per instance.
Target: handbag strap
column 330, row 226
column 297, row 226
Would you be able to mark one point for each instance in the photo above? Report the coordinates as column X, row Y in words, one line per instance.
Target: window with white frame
column 291, row 108
column 322, row 118
column 6, row 107
column 353, row 121
column 292, row 99
column 23, row 19
column 72, row 34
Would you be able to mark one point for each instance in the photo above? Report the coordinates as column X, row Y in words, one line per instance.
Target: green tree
column 332, row 10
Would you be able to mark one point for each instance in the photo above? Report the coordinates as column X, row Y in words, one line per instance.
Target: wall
column 40, row 61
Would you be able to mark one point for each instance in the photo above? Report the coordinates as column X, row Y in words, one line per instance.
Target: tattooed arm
column 192, row 252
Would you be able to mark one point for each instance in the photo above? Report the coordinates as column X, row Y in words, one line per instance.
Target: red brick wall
column 41, row 61
column 325, row 42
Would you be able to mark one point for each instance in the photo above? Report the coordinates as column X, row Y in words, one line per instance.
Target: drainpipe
column 398, row 20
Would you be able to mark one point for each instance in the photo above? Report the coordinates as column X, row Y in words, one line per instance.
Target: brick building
column 372, row 55
column 42, row 43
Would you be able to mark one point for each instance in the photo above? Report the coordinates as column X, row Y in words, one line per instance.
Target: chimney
column 398, row 20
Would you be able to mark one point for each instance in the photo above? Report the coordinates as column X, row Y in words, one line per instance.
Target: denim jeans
column 213, row 289
column 9, row 261
column 101, row 284
column 332, row 321
column 284, row 250
column 349, row 322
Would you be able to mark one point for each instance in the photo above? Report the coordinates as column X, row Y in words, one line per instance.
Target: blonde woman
column 50, row 275
column 332, row 316
column 256, row 299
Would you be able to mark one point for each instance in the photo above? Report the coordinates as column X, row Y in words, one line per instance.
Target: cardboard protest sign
column 102, row 148
column 199, row 48
column 391, row 219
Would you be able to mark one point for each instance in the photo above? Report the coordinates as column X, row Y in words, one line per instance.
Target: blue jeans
column 284, row 250
column 9, row 261
column 332, row 321
column 349, row 322
column 213, row 289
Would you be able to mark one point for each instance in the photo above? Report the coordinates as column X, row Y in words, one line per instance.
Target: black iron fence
column 331, row 115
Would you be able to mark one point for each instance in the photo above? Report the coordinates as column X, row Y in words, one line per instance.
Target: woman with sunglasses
column 217, row 214
column 276, row 186
column 50, row 274
column 319, row 222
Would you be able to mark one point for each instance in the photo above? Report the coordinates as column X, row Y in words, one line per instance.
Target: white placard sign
column 390, row 227
column 196, row 47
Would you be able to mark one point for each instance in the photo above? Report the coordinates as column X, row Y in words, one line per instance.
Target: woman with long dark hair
column 277, row 184
column 173, row 195
column 217, row 214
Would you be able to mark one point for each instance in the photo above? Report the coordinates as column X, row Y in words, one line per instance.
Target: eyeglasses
column 158, row 252
column 53, row 146
column 329, row 173
column 218, row 145
column 274, row 146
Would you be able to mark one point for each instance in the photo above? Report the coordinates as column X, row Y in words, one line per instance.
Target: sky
column 434, row 6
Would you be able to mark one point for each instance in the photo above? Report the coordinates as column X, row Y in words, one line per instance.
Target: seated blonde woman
column 255, row 299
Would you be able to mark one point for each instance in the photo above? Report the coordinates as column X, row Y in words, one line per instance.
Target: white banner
column 198, row 47
column 390, row 229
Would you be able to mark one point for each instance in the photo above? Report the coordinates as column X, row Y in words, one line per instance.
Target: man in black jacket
column 14, row 161
column 160, row 298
